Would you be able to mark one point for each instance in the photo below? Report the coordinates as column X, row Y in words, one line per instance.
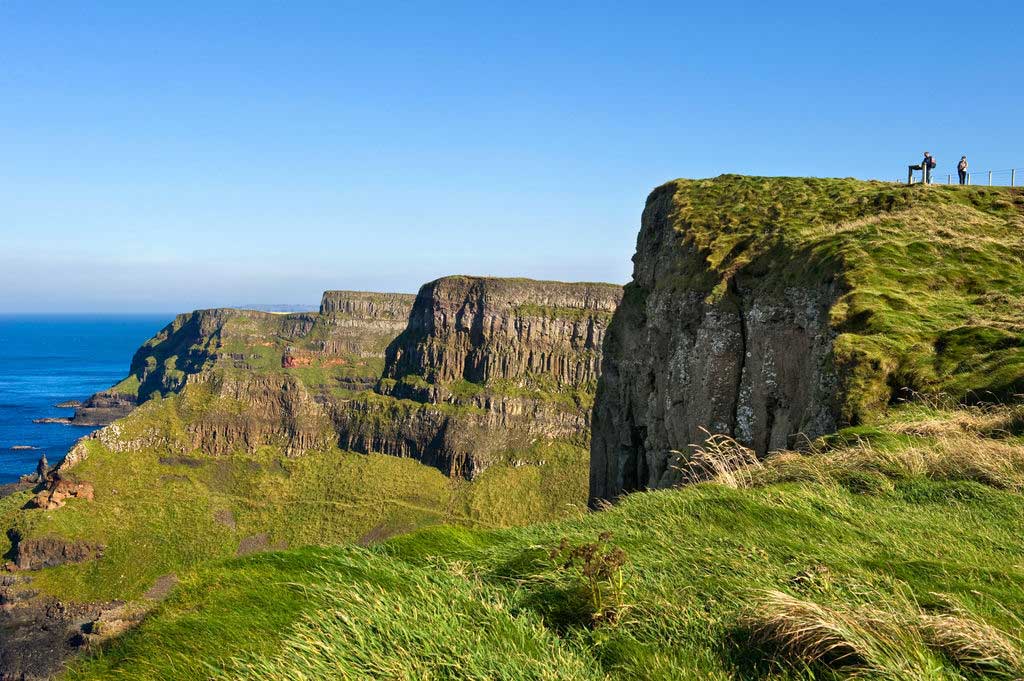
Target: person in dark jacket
column 961, row 169
column 926, row 167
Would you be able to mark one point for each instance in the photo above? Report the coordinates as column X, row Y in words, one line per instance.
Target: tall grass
column 889, row 638
column 953, row 458
column 400, row 623
column 721, row 459
column 976, row 444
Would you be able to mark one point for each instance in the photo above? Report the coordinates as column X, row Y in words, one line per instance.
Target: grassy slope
column 159, row 512
column 457, row 603
column 933, row 276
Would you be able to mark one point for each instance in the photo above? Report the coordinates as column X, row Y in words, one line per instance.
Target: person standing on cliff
column 961, row 169
column 926, row 167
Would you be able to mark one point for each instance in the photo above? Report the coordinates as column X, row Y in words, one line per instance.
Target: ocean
column 45, row 360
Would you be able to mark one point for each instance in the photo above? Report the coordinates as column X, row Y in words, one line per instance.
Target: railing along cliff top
column 1010, row 177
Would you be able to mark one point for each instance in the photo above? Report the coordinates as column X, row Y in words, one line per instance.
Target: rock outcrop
column 44, row 552
column 104, row 407
column 484, row 368
column 776, row 310
column 58, row 491
column 481, row 330
column 349, row 334
column 39, row 633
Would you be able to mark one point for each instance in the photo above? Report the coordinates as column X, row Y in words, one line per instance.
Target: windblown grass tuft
column 890, row 638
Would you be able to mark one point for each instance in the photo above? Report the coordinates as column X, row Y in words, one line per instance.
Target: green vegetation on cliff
column 930, row 278
column 894, row 552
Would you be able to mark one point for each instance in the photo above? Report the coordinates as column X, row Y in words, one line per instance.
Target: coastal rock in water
column 103, row 408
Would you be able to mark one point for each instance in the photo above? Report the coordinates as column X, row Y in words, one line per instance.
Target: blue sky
column 166, row 156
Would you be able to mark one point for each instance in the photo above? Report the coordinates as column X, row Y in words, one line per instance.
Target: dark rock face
column 38, row 633
column 682, row 360
column 479, row 329
column 44, row 552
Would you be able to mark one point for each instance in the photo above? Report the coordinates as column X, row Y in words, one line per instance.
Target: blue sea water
column 45, row 360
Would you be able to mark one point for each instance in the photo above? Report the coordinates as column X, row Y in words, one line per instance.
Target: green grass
column 561, row 312
column 905, row 522
column 446, row 602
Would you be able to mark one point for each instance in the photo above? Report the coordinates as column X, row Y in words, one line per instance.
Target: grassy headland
column 932, row 278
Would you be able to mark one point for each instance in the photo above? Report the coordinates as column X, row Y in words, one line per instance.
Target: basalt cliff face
column 483, row 330
column 776, row 310
column 485, row 369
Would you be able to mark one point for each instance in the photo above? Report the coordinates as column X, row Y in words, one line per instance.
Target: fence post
column 968, row 178
column 990, row 178
column 949, row 179
column 1013, row 177
column 910, row 174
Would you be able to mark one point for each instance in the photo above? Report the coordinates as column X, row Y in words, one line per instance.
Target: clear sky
column 162, row 156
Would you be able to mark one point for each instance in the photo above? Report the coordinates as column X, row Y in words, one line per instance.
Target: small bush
column 599, row 565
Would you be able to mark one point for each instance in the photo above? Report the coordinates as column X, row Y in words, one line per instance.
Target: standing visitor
column 926, row 167
column 961, row 169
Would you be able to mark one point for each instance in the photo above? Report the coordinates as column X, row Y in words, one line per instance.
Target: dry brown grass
column 958, row 457
column 719, row 459
column 969, row 444
column 803, row 634
column 890, row 638
column 973, row 644
column 985, row 421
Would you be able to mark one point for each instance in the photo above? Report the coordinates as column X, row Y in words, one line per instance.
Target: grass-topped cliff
column 777, row 310
column 251, row 431
column 930, row 279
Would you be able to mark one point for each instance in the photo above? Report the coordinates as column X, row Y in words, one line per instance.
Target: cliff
column 341, row 348
column 485, row 369
column 482, row 330
column 469, row 372
column 776, row 310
